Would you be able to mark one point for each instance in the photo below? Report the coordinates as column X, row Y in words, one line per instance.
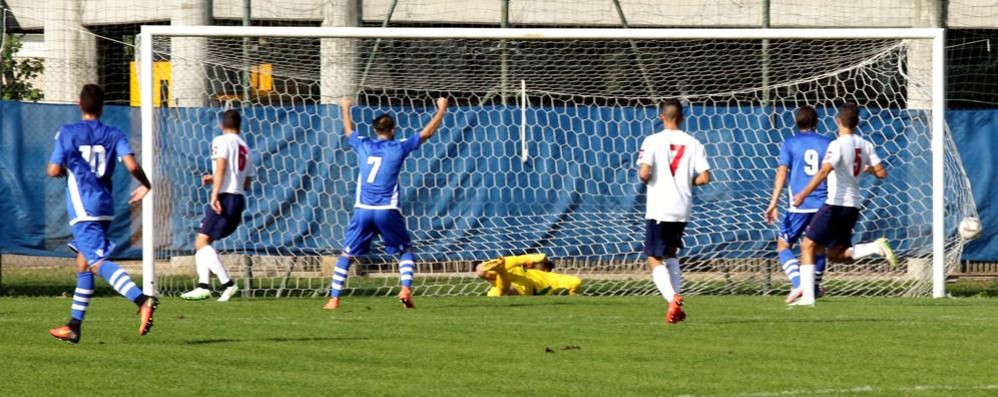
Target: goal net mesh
column 537, row 154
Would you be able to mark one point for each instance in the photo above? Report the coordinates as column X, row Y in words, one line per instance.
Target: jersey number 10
column 96, row 156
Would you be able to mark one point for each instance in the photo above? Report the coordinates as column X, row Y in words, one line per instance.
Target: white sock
column 807, row 283
column 865, row 250
column 202, row 267
column 675, row 276
column 210, row 258
column 660, row 275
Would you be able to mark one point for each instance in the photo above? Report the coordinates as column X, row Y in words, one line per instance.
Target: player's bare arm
column 220, row 165
column 878, row 171
column 781, row 178
column 644, row 173
column 56, row 171
column 434, row 124
column 702, row 179
column 136, row 170
column 345, row 105
column 822, row 174
column 247, row 183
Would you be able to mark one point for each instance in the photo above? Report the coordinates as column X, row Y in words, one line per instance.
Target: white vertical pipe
column 148, row 162
column 523, row 121
column 938, row 166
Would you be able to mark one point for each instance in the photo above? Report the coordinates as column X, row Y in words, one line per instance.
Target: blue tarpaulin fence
column 455, row 188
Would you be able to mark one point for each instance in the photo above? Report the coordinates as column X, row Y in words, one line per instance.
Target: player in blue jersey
column 800, row 158
column 85, row 154
column 376, row 209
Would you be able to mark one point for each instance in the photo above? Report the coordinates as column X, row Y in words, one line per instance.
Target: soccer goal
column 538, row 152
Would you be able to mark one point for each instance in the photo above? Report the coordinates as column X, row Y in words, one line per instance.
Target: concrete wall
column 784, row 13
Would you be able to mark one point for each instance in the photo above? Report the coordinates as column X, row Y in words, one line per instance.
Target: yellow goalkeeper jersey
column 515, row 277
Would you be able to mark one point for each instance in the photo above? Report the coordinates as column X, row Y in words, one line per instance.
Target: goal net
column 537, row 153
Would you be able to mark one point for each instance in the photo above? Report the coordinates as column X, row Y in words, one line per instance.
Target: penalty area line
column 858, row 390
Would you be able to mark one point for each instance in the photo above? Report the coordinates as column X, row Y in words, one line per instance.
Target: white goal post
column 938, row 145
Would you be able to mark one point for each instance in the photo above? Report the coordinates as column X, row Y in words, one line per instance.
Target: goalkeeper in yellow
column 525, row 275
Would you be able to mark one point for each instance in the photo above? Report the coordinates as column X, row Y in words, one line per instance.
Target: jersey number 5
column 677, row 154
column 375, row 165
column 96, row 156
column 857, row 167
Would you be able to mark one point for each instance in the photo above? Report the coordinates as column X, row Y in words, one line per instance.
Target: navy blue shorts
column 661, row 235
column 90, row 239
column 793, row 226
column 832, row 226
column 366, row 224
column 219, row 226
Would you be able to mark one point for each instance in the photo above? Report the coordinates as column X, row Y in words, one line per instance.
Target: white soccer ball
column 970, row 228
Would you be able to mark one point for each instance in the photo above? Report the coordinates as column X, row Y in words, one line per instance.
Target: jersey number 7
column 677, row 154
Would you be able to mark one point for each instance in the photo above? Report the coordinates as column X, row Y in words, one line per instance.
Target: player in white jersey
column 232, row 172
column 671, row 162
column 831, row 228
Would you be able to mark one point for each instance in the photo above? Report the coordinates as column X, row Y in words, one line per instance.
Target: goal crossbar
column 936, row 36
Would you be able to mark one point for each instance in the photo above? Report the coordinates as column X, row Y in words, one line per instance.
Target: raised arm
column 345, row 105
column 778, row 182
column 438, row 118
column 136, row 170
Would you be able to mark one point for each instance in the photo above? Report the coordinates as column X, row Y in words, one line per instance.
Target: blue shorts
column 90, row 240
column 219, row 226
column 659, row 236
column 366, row 224
column 794, row 225
column 832, row 226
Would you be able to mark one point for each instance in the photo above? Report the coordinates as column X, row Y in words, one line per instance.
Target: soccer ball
column 970, row 228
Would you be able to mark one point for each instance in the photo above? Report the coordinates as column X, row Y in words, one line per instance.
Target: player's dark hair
column 383, row 124
column 547, row 265
column 231, row 120
column 849, row 115
column 92, row 99
column 672, row 109
column 807, row 118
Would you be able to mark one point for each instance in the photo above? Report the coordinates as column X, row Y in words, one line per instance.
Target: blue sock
column 790, row 266
column 339, row 276
column 819, row 269
column 81, row 297
column 407, row 266
column 118, row 279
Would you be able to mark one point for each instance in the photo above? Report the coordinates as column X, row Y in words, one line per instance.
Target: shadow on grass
column 273, row 339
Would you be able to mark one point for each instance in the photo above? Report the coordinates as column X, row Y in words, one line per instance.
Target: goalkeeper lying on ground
column 525, row 275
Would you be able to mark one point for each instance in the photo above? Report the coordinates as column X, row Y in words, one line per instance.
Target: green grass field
column 730, row 345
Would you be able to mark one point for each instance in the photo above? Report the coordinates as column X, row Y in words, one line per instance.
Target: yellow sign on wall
column 161, row 73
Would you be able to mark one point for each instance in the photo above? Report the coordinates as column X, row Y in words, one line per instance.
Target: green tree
column 16, row 75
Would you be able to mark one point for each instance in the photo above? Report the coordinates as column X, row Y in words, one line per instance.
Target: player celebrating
column 84, row 153
column 847, row 157
column 376, row 211
column 800, row 156
column 525, row 275
column 671, row 162
column 230, row 179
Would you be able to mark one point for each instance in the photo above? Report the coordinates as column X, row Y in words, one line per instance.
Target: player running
column 847, row 157
column 85, row 154
column 232, row 174
column 525, row 275
column 376, row 210
column 671, row 162
column 800, row 157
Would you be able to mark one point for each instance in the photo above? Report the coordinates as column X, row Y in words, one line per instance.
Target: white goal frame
column 938, row 90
